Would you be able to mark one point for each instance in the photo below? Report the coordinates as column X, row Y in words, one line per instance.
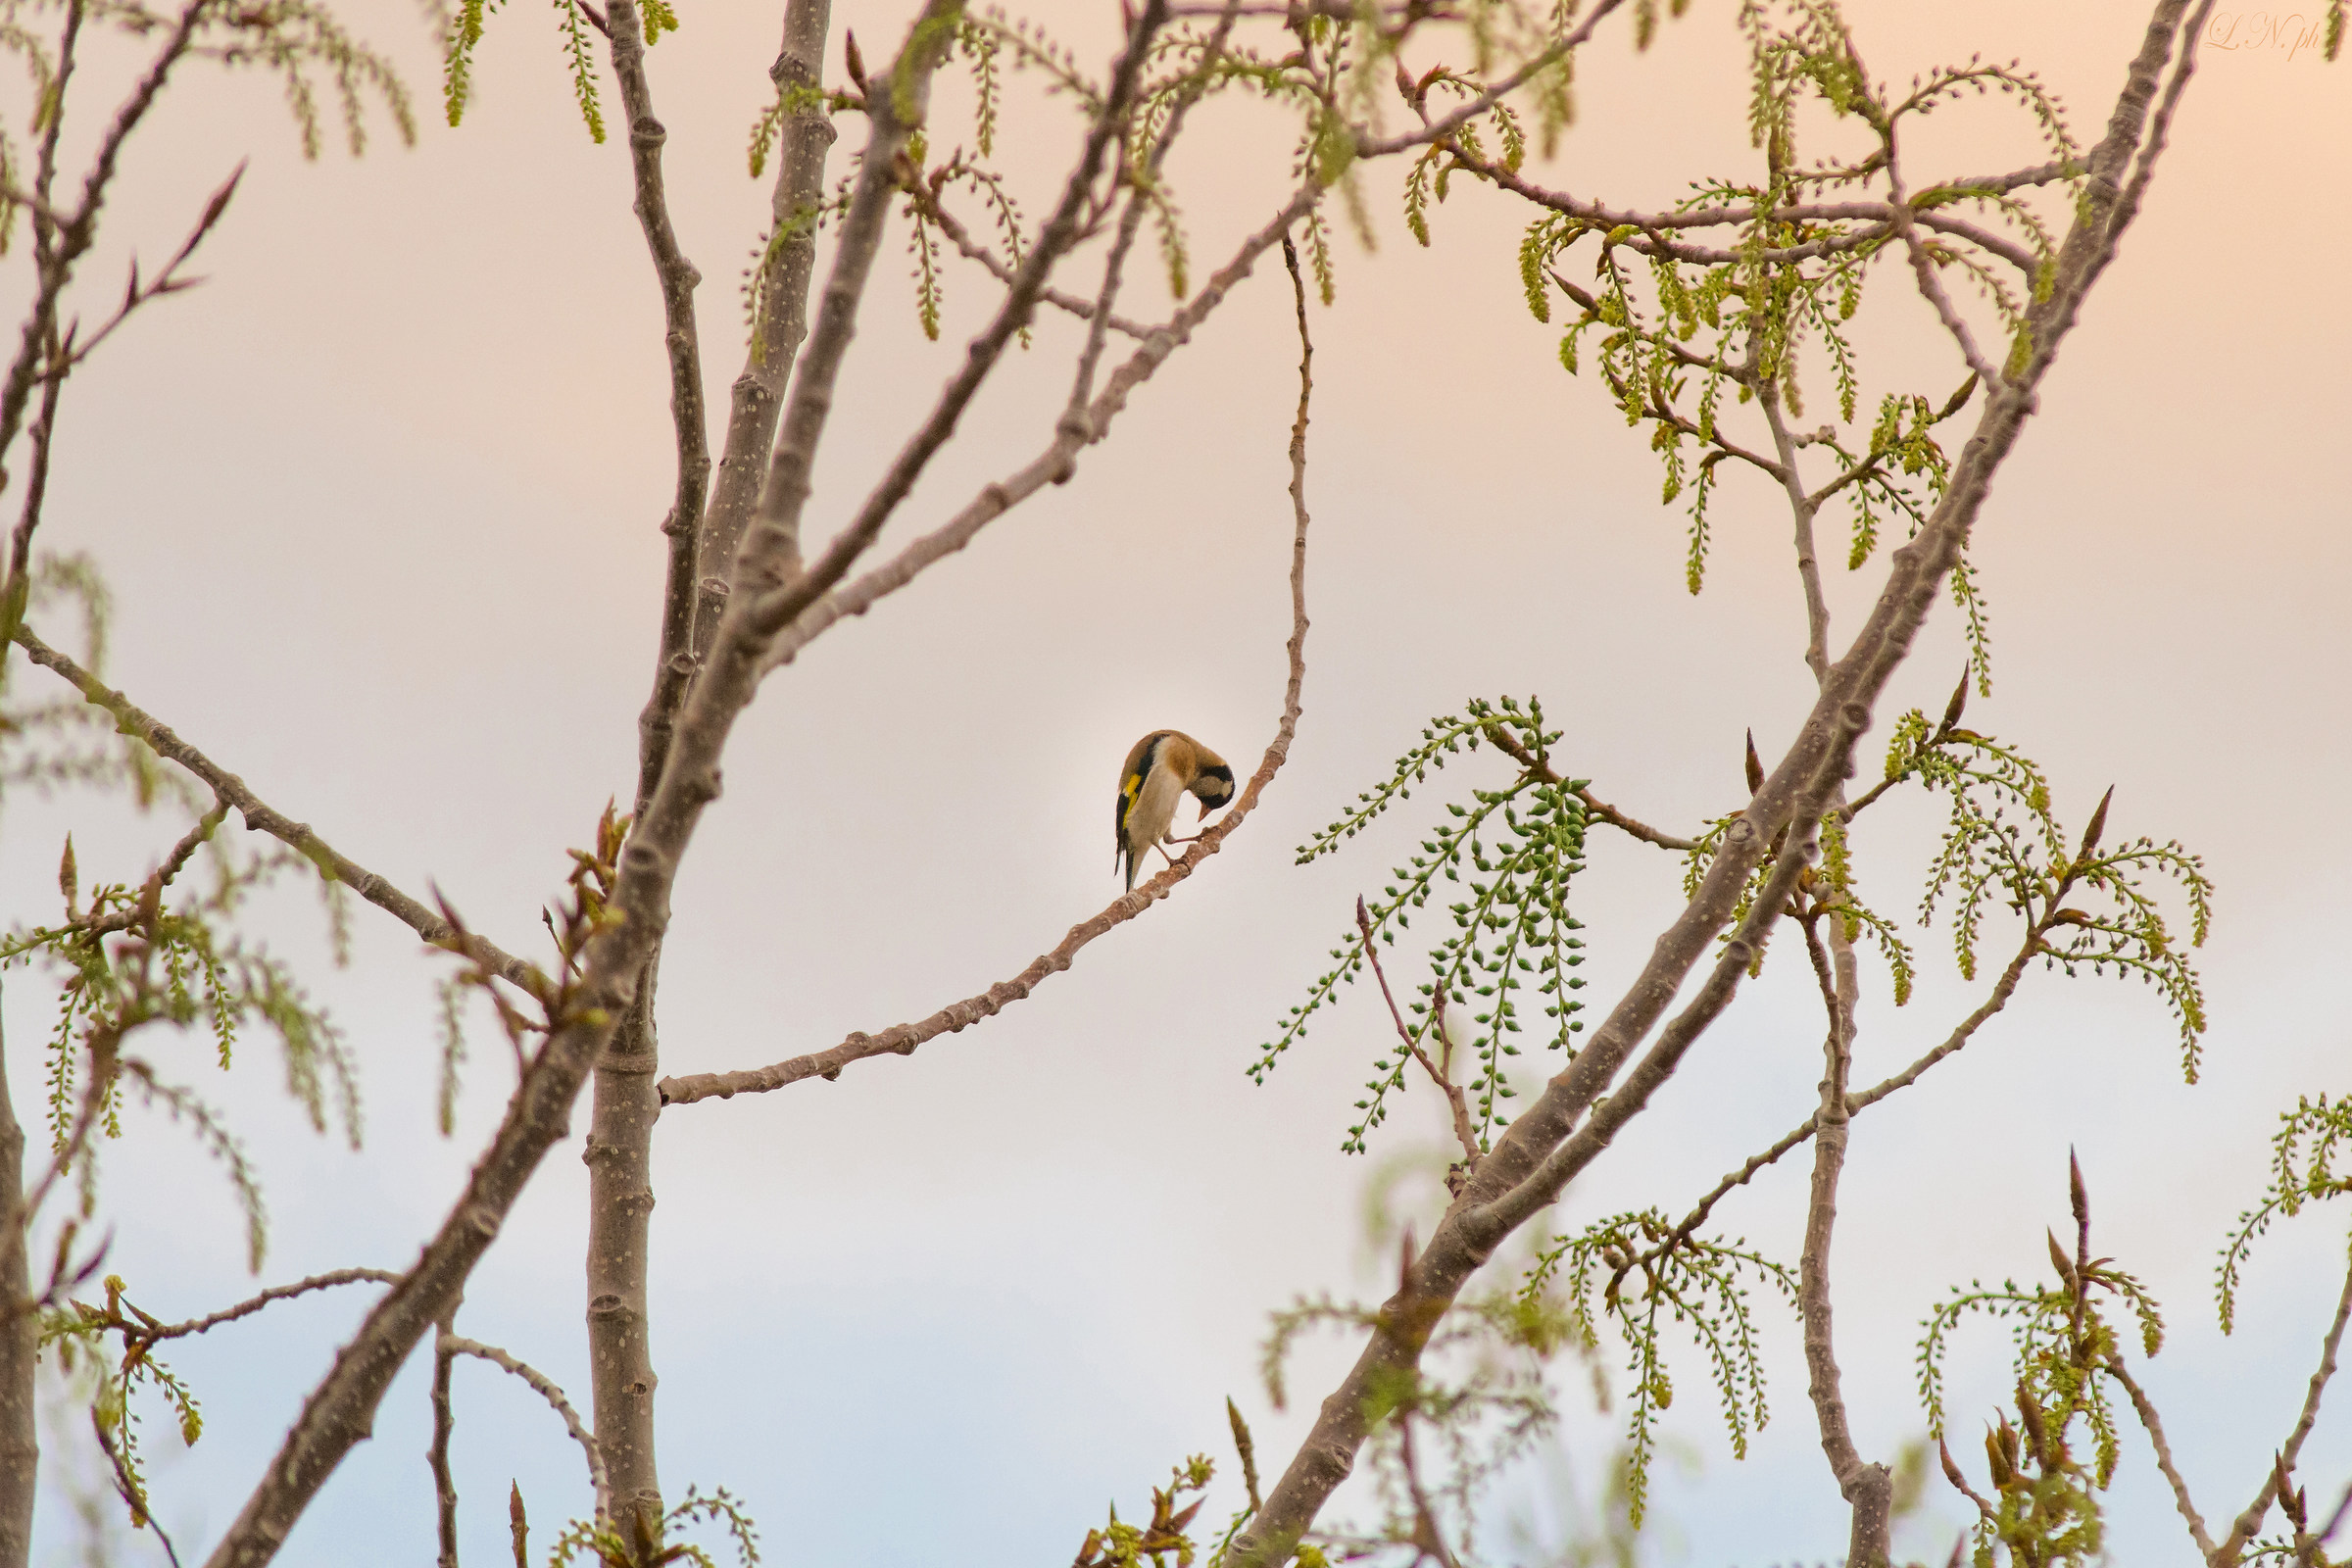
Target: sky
column 378, row 505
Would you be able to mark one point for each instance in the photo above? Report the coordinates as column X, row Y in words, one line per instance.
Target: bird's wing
column 1131, row 787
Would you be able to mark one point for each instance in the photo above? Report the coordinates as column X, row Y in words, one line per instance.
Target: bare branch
column 57, row 247
column 781, row 323
column 2002, row 990
column 778, row 595
column 1058, row 458
column 263, row 819
column 933, row 206
column 445, row 1425
column 905, row 1038
column 2250, row 1522
column 276, row 1292
column 1867, row 1486
column 1442, row 1077
column 546, row 1388
column 2149, row 1419
column 689, row 423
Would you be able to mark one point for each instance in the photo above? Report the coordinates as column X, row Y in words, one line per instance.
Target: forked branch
column 903, row 1039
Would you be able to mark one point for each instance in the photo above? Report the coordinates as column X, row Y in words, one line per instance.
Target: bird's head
column 1213, row 788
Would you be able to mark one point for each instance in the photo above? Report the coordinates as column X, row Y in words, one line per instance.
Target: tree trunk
column 621, row 1208
column 19, row 1437
column 619, row 1149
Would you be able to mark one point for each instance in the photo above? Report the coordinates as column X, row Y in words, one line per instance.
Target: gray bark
column 19, row 1437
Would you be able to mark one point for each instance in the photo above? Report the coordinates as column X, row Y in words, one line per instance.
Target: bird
column 1163, row 765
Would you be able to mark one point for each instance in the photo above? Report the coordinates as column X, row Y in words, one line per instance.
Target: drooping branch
column 547, row 1389
column 261, row 818
column 903, row 1039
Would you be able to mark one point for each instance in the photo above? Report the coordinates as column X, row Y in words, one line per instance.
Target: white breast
column 1155, row 809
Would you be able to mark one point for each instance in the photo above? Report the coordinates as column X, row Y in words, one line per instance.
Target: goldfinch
column 1163, row 765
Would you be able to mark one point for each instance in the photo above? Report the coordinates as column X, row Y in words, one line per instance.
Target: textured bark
column 759, row 396
column 621, row 1206
column 1868, row 1488
column 619, row 1151
column 20, row 1436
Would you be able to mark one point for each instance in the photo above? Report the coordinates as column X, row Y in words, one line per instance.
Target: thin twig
column 127, row 1486
column 1511, row 746
column 547, row 1389
column 263, row 819
column 276, row 1292
column 903, row 1039
column 445, row 1425
column 933, row 206
column 1056, row 462
column 1960, row 1036
column 2250, row 1522
column 689, row 424
column 2154, row 1423
column 1442, row 1077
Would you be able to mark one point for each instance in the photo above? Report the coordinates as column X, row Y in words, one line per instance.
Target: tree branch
column 547, row 1389
column 1442, row 1077
column 1057, row 461
column 778, row 594
column 436, row 1457
column 933, row 205
column 276, row 1292
column 1528, row 1165
column 1512, row 747
column 2149, row 1419
column 2250, row 1522
column 263, row 819
column 905, row 1038
column 782, row 322
column 688, row 422
column 1855, row 1104
column 340, row 1409
column 1867, row 1486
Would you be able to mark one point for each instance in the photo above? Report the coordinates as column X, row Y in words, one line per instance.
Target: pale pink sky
column 378, row 504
